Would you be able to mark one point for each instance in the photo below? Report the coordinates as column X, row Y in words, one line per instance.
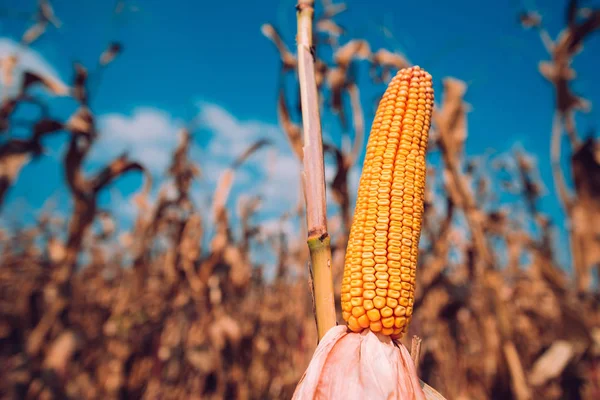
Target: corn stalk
column 314, row 175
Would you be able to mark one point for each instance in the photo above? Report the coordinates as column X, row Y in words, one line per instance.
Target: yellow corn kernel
column 381, row 258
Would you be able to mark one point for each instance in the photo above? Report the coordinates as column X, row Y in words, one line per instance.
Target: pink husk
column 365, row 365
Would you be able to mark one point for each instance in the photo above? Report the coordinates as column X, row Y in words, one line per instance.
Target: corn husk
column 366, row 365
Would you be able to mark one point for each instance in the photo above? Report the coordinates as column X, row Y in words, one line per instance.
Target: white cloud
column 330, row 170
column 232, row 136
column 279, row 165
column 282, row 186
column 276, row 166
column 272, row 227
column 148, row 134
column 124, row 208
column 28, row 59
column 272, row 173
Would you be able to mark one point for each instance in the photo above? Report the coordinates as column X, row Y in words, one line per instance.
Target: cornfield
column 178, row 307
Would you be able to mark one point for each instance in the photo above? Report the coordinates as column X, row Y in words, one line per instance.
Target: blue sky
column 209, row 60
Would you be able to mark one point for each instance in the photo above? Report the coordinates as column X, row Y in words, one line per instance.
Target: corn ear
column 378, row 284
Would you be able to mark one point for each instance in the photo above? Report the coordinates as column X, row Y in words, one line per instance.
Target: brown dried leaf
column 108, row 55
column 60, row 353
column 79, row 82
column 54, row 86
column 330, row 27
column 114, row 170
column 451, row 118
column 7, row 66
column 551, row 364
column 387, row 61
column 240, row 272
column 354, row 49
column 530, row 19
column 249, row 151
column 288, row 59
column 291, row 129
column 222, row 192
column 82, row 122
column 46, row 13
column 33, row 33
column 56, row 250
column 331, row 10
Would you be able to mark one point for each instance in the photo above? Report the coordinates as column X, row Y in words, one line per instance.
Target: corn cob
column 381, row 259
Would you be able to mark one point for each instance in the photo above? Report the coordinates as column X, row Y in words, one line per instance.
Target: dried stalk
column 415, row 351
column 314, row 175
column 431, row 393
column 415, row 355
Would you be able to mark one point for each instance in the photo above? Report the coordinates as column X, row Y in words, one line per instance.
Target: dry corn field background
column 180, row 304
